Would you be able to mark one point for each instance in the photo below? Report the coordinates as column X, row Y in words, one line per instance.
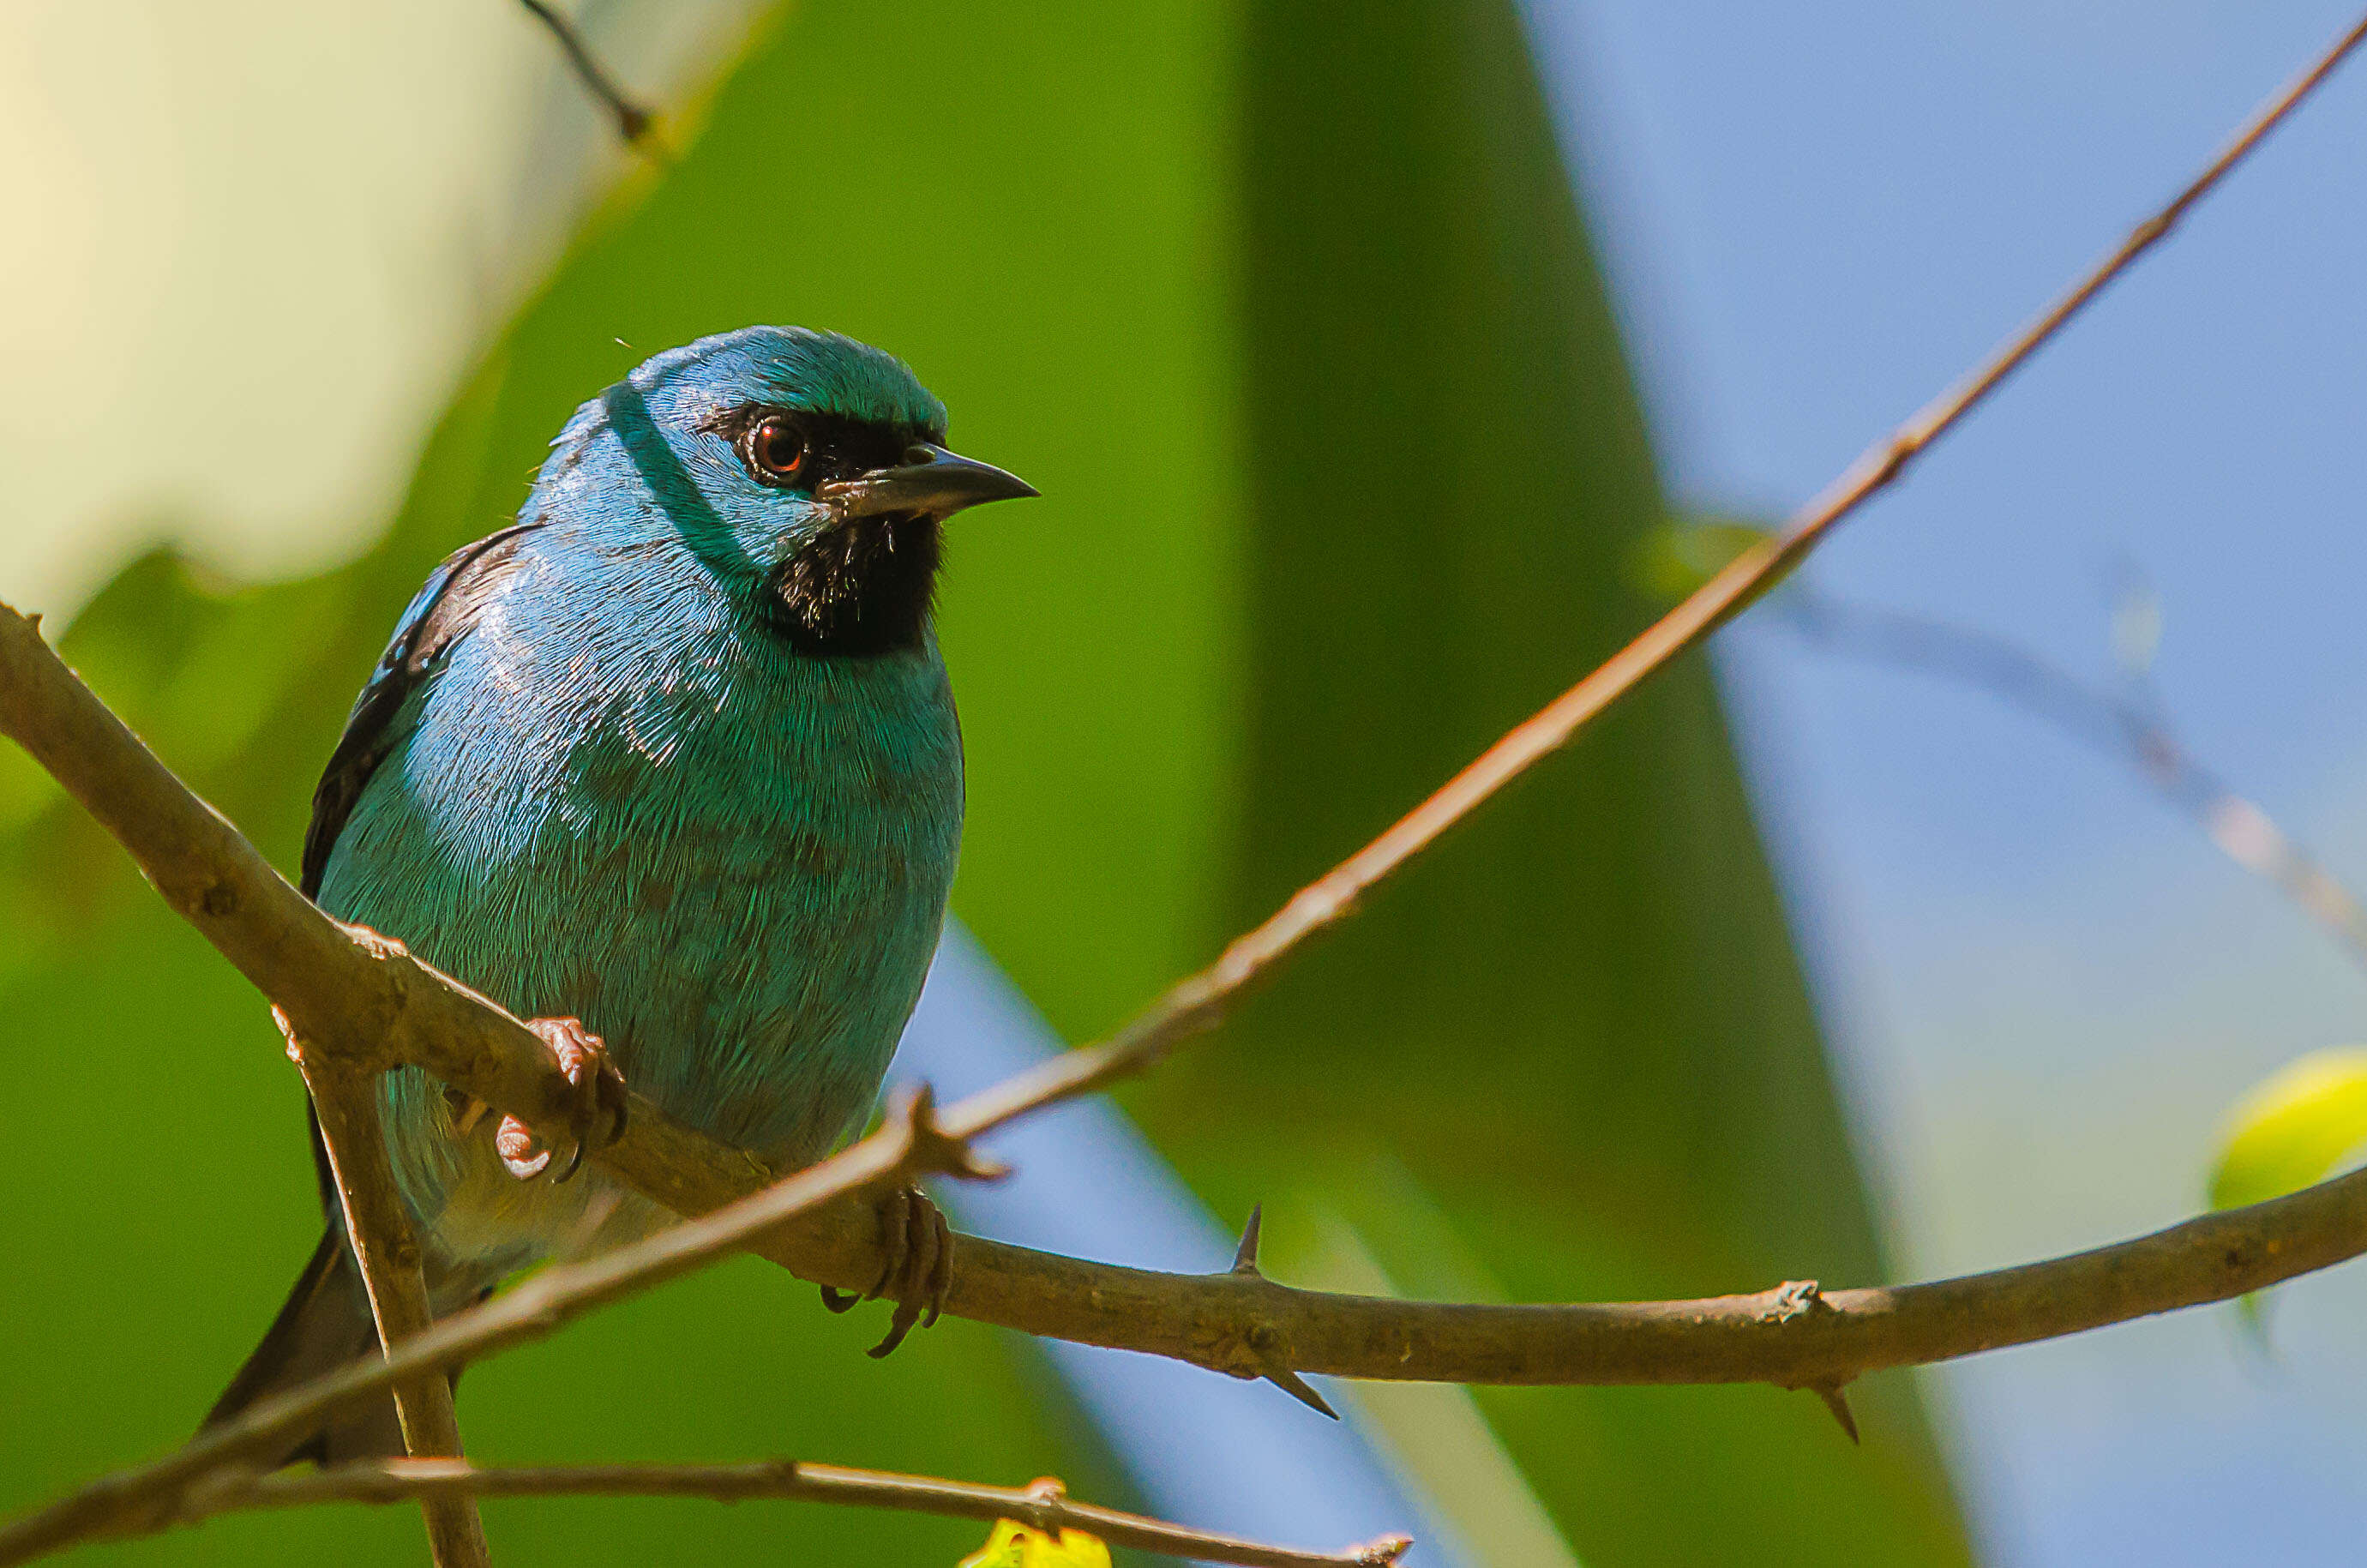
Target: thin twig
column 388, row 1255
column 2241, row 827
column 374, row 1004
column 1197, row 1004
column 633, row 121
column 911, row 1143
column 1795, row 1335
column 1236, row 1322
column 1045, row 1505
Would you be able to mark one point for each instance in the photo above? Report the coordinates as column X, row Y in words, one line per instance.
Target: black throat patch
column 860, row 590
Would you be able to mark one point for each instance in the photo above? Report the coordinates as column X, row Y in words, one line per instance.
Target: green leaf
column 2293, row 1127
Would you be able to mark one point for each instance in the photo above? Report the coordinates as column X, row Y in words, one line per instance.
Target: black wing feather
column 442, row 613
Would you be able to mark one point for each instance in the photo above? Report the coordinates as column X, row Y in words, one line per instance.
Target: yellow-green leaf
column 2293, row 1127
column 1015, row 1545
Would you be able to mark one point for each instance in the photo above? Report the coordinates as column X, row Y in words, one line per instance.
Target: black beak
column 930, row 481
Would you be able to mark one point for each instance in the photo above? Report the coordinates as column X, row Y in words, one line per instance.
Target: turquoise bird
column 672, row 768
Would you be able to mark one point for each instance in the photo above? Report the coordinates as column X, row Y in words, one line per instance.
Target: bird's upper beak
column 930, row 481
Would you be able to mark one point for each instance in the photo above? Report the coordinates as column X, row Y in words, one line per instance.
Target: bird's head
column 806, row 468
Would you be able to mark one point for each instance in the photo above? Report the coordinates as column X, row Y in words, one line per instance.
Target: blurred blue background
column 2040, row 986
column 2046, row 985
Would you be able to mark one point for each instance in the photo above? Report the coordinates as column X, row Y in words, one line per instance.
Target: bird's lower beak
column 930, row 481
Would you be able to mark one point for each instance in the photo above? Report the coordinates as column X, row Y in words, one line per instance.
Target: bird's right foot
column 919, row 1246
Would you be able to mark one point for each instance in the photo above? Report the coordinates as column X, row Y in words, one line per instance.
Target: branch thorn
column 930, row 1148
column 1837, row 1402
column 1046, row 1497
column 1296, row 1387
column 1245, row 1256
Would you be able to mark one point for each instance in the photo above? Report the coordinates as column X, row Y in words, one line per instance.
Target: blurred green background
column 1293, row 316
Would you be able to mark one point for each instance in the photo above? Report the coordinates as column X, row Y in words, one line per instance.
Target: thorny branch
column 1198, row 1003
column 364, row 1001
column 1044, row 1504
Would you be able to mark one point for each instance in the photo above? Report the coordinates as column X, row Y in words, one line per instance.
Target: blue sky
column 2046, row 985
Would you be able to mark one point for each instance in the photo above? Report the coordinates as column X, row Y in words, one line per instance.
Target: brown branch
column 387, row 1254
column 1236, row 1322
column 1795, row 1335
column 911, row 1143
column 1045, row 1505
column 369, row 1003
column 1198, row 1003
column 633, row 121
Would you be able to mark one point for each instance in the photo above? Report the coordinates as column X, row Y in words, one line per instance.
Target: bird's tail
column 325, row 1324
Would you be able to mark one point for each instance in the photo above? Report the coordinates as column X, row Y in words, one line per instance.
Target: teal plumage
column 675, row 756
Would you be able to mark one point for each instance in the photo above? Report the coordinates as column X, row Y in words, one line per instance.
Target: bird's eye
column 776, row 449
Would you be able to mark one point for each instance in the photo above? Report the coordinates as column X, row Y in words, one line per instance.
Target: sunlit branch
column 368, row 1005
column 1198, row 1003
column 1045, row 1505
column 346, row 1104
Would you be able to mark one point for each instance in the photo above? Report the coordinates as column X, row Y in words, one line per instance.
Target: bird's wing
column 438, row 616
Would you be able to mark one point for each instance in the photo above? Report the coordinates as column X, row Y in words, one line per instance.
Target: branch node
column 1046, row 1505
column 1796, row 1297
column 1382, row 1551
column 1245, row 1256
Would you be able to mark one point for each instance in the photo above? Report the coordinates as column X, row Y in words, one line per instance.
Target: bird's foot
column 919, row 1245
column 599, row 1095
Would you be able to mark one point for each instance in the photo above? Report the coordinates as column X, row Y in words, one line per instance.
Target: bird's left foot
column 919, row 1245
column 599, row 1096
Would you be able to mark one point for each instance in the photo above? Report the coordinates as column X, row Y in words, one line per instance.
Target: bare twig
column 387, row 1254
column 1198, row 1003
column 2241, row 829
column 633, row 121
column 1795, row 1335
column 1236, row 1322
column 1045, row 1505
column 371, row 1004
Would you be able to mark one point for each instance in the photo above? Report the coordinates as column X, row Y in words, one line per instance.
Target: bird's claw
column 599, row 1094
column 918, row 1270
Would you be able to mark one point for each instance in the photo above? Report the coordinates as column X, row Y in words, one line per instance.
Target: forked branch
column 370, row 1005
